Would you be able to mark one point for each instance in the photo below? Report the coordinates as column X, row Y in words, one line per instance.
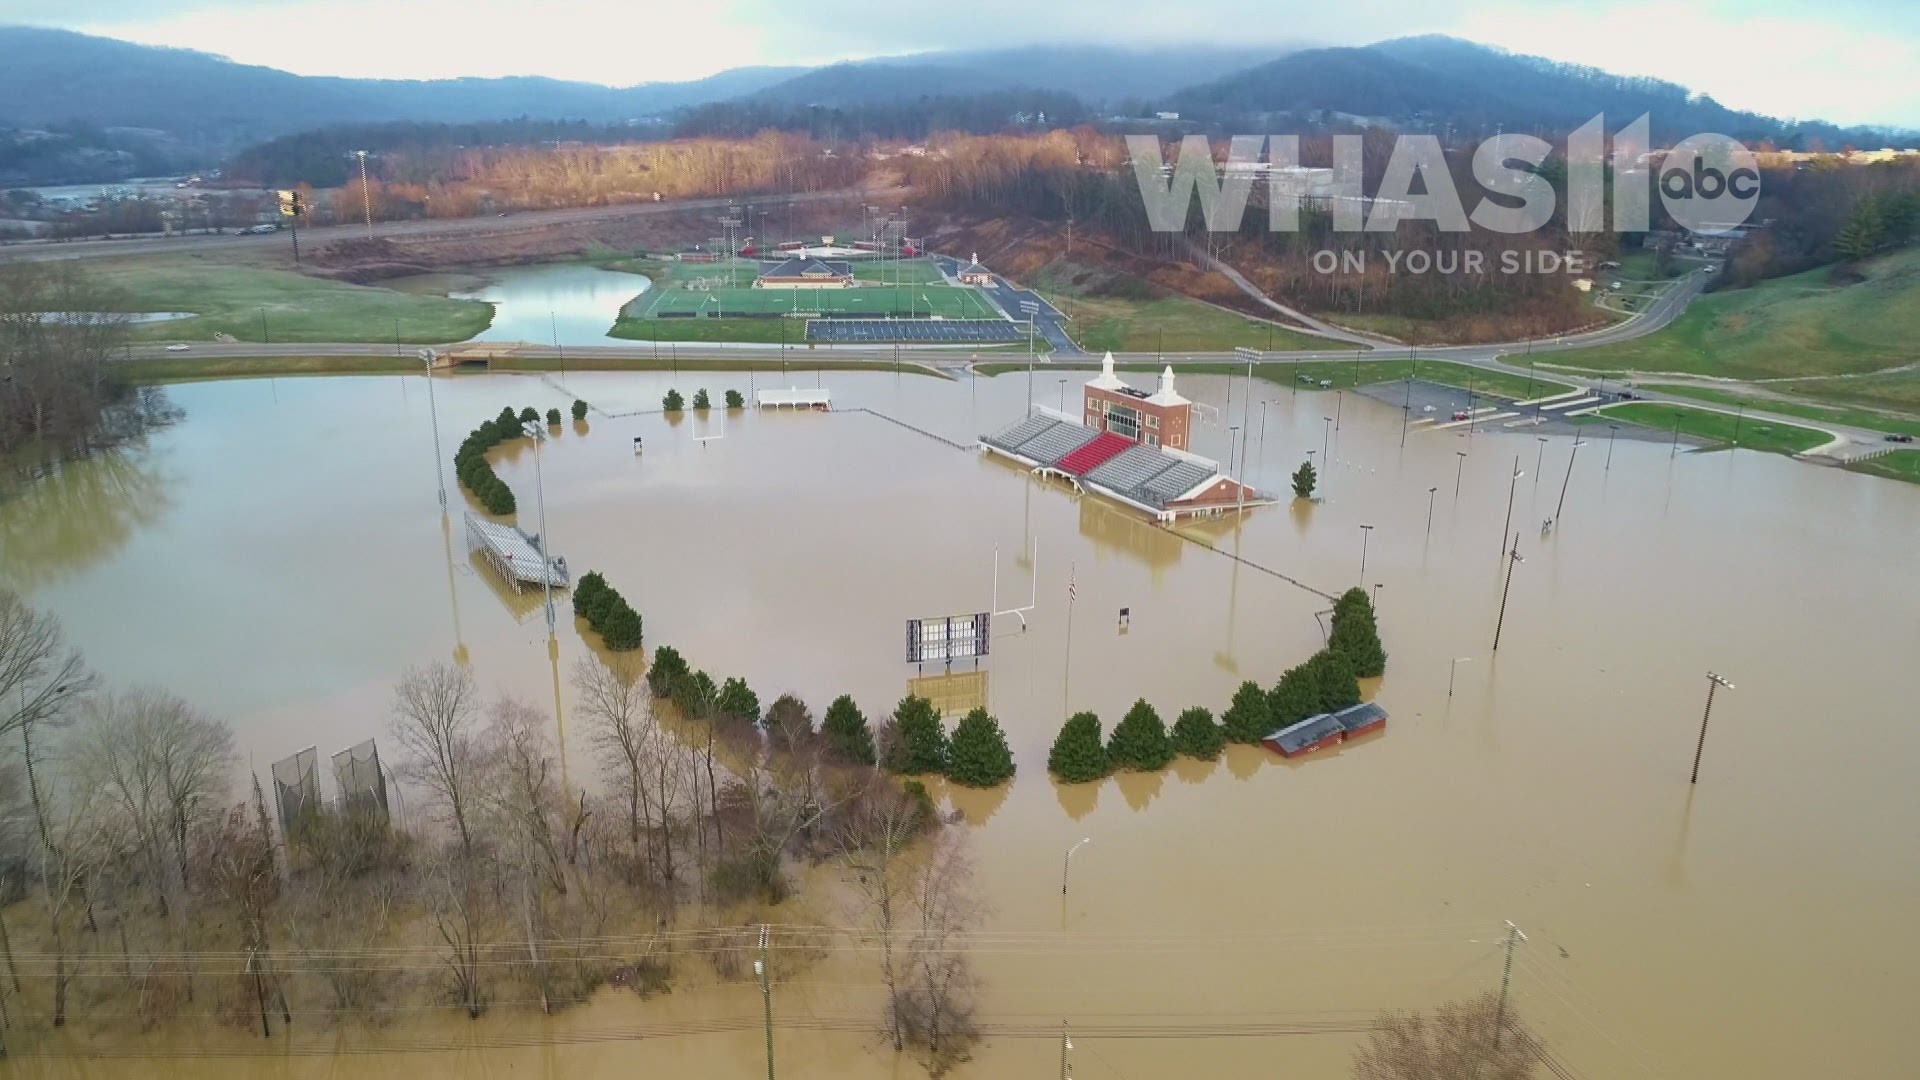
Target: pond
column 280, row 556
column 571, row 304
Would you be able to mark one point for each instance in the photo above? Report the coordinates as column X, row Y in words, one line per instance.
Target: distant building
column 975, row 274
column 806, row 274
column 1166, row 116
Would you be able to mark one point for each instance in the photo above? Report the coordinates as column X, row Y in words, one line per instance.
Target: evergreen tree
column 848, row 737
column 1863, row 232
column 553, row 417
column 1247, row 719
column 590, row 585
column 673, row 402
column 1295, row 697
column 789, row 722
column 920, row 743
column 579, row 409
column 1334, row 678
column 700, row 399
column 529, row 415
column 1356, row 636
column 738, row 701
column 1139, row 741
column 1196, row 735
column 978, row 755
column 735, row 401
column 1304, row 479
column 506, row 425
column 696, row 694
column 621, row 631
column 666, row 671
column 1078, row 755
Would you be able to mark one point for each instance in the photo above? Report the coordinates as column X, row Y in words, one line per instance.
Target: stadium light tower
column 366, row 195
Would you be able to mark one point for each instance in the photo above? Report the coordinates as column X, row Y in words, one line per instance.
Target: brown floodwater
column 279, row 557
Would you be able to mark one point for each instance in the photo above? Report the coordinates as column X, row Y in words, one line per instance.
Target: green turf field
column 724, row 290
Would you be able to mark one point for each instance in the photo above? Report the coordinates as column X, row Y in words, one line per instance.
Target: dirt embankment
column 363, row 260
column 1022, row 248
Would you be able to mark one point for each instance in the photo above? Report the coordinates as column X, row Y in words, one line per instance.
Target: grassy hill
column 1812, row 324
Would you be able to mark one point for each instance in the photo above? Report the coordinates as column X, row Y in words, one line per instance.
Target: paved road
column 526, row 221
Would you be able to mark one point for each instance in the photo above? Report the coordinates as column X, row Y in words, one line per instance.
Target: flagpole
column 1066, row 668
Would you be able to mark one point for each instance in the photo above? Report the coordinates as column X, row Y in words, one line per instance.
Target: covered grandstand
column 1166, row 484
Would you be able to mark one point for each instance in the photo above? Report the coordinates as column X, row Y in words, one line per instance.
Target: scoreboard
column 948, row 638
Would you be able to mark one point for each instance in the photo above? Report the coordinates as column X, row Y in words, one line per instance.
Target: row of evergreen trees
column 673, row 402
column 976, row 754
column 695, row 693
column 607, row 612
column 476, row 473
column 1326, row 682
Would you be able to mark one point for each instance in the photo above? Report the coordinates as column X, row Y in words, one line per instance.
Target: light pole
column 1233, row 441
column 538, row 436
column 1066, row 1044
column 1325, row 434
column 1612, row 430
column 1263, row 435
column 1512, row 558
column 1063, row 394
column 366, row 196
column 1066, row 864
column 1453, row 667
column 1029, row 309
column 766, row 995
column 1540, row 459
column 1511, row 485
column 1578, row 442
column 1458, row 467
column 1366, row 531
column 1430, row 493
column 433, row 410
column 1714, row 682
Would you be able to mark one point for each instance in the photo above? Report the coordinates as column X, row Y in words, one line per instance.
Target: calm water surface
column 576, row 304
column 280, row 556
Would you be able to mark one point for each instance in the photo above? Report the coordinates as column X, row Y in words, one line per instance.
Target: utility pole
column 1514, row 938
column 1714, row 682
column 1578, row 442
column 1511, row 485
column 366, row 195
column 766, row 995
column 1512, row 558
column 433, row 410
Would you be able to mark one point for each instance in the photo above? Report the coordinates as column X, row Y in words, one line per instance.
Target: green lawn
column 1806, row 410
column 1717, row 427
column 1791, row 326
column 252, row 304
column 905, row 271
column 1900, row 465
column 1174, row 324
column 1639, row 266
column 1342, row 374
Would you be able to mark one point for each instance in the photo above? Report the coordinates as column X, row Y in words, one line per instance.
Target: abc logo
column 1709, row 183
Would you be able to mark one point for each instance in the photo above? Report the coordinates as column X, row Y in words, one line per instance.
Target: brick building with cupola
column 1160, row 419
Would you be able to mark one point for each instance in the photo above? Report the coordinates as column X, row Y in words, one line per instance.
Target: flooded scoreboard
column 948, row 638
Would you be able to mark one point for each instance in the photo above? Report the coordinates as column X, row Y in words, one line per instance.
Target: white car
column 176, row 348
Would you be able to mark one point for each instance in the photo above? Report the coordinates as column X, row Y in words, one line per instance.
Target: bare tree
column 875, row 835
column 620, row 727
column 347, row 872
column 1458, row 1039
column 78, row 842
column 39, row 674
column 435, row 718
column 163, row 765
column 460, row 900
column 939, row 1001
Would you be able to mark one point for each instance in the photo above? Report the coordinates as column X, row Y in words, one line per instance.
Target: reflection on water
column 77, row 513
column 546, row 305
column 953, row 693
column 1549, row 790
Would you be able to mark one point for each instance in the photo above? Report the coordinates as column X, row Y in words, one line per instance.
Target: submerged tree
column 700, row 399
column 735, row 401
column 1196, row 735
column 673, row 402
column 1078, row 756
column 978, row 753
column 1356, row 634
column 1139, row 741
column 848, row 737
column 1460, row 1039
column 919, row 743
column 1247, row 719
column 1304, row 480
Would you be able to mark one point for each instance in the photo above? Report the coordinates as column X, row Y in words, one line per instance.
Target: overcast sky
column 1852, row 61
